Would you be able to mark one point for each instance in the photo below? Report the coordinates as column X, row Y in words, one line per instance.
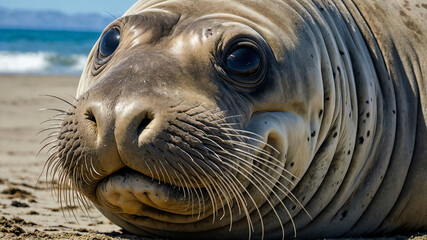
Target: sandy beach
column 27, row 210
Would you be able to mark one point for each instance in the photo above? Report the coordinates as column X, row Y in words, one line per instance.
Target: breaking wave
column 43, row 63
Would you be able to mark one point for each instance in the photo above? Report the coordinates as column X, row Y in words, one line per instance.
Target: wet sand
column 27, row 210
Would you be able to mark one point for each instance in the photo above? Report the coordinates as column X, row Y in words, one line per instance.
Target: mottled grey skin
column 329, row 141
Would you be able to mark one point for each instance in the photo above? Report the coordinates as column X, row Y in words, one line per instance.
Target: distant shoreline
column 50, row 30
column 53, row 20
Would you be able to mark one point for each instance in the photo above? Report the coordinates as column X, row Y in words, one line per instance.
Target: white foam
column 22, row 62
column 40, row 63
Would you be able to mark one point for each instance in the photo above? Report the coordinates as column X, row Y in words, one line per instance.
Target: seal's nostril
column 90, row 117
column 144, row 122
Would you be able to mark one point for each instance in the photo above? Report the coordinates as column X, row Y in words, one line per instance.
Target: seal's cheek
column 287, row 133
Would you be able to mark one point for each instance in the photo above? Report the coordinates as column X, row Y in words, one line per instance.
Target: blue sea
column 44, row 52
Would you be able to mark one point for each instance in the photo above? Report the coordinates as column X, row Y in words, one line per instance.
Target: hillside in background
column 52, row 20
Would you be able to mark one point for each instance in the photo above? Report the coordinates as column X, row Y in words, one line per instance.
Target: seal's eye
column 243, row 61
column 109, row 42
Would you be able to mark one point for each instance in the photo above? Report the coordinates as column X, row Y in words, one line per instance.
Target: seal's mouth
column 129, row 193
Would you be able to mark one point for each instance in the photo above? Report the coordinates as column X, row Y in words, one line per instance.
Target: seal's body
column 228, row 119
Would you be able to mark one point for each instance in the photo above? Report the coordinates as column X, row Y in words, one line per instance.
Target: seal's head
column 195, row 118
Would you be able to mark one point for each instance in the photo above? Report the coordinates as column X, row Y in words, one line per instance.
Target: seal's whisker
column 276, row 161
column 233, row 189
column 225, row 119
column 59, row 98
column 54, row 133
column 190, row 189
column 229, row 124
column 62, row 194
column 167, row 174
column 163, row 176
column 203, row 202
column 293, row 198
column 53, row 146
column 221, row 189
column 259, row 172
column 256, row 184
column 83, row 204
column 174, row 182
column 264, row 162
column 72, row 97
column 201, row 193
column 81, row 199
column 251, row 227
column 47, row 144
column 157, row 174
column 52, row 120
column 267, row 177
column 184, row 189
column 286, row 192
column 88, row 170
column 210, row 191
column 245, row 144
column 72, row 179
column 47, row 129
column 46, row 165
column 57, row 124
column 203, row 111
column 149, row 169
column 61, row 115
column 55, row 110
column 49, row 137
column 181, row 184
column 73, row 199
column 262, row 141
column 83, row 174
column 211, row 113
column 215, row 155
column 93, row 168
column 255, row 135
column 52, row 160
column 213, row 142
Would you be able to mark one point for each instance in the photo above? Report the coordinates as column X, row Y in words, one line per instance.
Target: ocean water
column 44, row 52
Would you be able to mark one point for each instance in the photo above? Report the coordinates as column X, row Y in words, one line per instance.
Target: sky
column 115, row 7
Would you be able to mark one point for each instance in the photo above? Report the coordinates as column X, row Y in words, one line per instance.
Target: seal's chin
column 131, row 194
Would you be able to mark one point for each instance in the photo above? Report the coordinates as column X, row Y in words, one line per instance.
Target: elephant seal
column 251, row 119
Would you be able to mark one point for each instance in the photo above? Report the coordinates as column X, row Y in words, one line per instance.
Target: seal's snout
column 124, row 141
column 134, row 122
column 103, row 125
column 111, row 129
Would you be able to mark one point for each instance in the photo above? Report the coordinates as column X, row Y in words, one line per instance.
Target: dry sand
column 28, row 211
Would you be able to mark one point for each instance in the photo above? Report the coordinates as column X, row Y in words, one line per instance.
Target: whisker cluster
column 65, row 171
column 230, row 156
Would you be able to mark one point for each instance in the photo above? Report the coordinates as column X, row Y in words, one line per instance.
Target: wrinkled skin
column 325, row 139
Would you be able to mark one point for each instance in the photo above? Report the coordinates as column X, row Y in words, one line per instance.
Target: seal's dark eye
column 109, row 42
column 243, row 61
